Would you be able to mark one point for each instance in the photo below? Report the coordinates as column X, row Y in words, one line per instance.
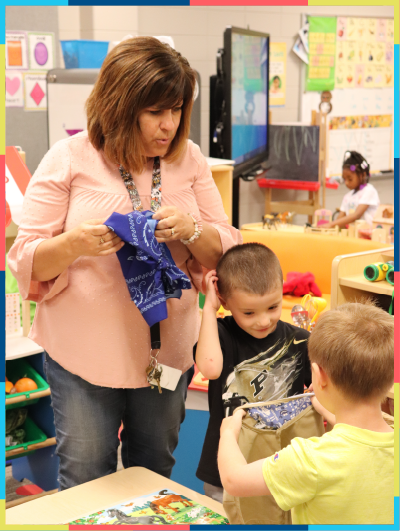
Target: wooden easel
column 313, row 203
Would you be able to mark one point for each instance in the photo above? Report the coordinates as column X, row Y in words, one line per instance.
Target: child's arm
column 344, row 220
column 237, row 477
column 209, row 358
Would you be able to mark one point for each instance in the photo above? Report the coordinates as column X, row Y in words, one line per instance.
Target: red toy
column 299, row 284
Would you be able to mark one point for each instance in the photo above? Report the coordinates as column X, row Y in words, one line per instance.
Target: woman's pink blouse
column 85, row 318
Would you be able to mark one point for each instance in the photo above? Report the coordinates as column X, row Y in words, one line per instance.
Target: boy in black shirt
column 251, row 356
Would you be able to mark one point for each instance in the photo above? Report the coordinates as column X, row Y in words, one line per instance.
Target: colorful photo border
column 309, row 4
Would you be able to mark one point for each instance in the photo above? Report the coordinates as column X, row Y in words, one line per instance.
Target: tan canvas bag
column 258, row 444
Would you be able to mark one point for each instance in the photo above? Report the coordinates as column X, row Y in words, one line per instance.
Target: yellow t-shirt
column 344, row 477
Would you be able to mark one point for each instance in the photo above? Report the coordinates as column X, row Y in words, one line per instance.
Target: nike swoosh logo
column 297, row 342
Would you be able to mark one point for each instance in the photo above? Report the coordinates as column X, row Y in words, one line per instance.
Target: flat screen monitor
column 246, row 58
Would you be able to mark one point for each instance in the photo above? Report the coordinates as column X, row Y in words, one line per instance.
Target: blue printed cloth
column 148, row 267
column 274, row 416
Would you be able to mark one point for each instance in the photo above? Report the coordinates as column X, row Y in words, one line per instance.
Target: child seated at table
column 363, row 200
column 347, row 475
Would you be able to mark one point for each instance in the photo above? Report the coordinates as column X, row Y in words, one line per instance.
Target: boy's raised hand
column 233, row 423
column 212, row 301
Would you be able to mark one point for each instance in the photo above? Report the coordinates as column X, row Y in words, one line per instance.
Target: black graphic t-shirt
column 254, row 370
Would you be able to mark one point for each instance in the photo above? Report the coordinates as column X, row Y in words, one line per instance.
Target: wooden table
column 77, row 502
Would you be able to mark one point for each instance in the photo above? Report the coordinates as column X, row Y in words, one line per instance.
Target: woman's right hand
column 212, row 301
column 92, row 238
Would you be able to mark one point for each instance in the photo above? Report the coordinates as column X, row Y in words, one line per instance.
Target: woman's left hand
column 173, row 225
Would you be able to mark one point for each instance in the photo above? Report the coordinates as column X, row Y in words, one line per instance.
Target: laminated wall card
column 14, row 89
column 16, row 50
column 364, row 53
column 322, row 52
column 35, row 91
column 13, row 316
column 277, row 73
column 41, row 51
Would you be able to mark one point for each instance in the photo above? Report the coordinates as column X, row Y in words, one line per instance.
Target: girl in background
column 363, row 200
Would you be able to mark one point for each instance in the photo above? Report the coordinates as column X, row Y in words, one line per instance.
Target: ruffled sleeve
column 210, row 203
column 45, row 209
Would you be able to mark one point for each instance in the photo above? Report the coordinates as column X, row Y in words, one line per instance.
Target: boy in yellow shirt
column 347, row 475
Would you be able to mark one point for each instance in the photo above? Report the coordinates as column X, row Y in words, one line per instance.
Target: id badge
column 169, row 377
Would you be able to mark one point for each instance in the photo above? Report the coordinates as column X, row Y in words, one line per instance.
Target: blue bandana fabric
column 274, row 416
column 148, row 267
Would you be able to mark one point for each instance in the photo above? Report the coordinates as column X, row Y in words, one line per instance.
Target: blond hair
column 354, row 345
column 137, row 74
column 249, row 267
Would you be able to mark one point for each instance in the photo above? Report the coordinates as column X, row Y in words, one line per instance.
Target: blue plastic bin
column 83, row 53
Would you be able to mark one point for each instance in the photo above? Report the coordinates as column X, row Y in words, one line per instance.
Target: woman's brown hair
column 138, row 73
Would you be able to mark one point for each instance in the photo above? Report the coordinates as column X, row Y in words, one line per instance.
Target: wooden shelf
column 348, row 279
column 22, row 398
column 223, row 177
column 20, row 347
column 381, row 287
column 48, row 442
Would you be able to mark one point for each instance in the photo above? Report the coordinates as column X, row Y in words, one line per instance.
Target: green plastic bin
column 33, row 435
column 16, row 369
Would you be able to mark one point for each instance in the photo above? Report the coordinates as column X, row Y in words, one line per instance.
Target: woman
column 97, row 344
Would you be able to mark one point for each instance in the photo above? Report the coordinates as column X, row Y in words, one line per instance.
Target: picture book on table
column 163, row 508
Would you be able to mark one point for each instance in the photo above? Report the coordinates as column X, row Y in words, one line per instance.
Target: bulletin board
column 363, row 95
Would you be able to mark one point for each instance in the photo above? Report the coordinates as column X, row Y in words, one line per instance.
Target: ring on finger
column 101, row 240
column 172, row 232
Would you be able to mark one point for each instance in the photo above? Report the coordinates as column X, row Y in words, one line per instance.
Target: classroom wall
column 24, row 128
column 198, row 33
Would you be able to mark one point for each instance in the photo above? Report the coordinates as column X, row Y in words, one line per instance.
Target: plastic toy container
column 16, row 369
column 84, row 53
column 33, row 435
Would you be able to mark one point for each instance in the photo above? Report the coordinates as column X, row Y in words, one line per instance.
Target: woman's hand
column 173, row 225
column 212, row 301
column 92, row 238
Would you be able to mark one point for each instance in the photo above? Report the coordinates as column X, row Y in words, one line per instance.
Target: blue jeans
column 87, row 418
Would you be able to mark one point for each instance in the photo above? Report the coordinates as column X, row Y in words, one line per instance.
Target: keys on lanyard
column 154, row 371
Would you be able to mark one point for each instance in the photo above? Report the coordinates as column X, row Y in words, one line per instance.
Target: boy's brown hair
column 138, row 73
column 249, row 267
column 354, row 345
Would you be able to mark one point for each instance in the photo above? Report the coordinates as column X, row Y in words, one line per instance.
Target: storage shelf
column 33, row 396
column 381, row 287
column 30, row 448
column 20, row 347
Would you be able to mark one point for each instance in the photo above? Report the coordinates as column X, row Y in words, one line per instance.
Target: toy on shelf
column 270, row 220
column 314, row 306
column 384, row 220
column 286, row 217
column 321, row 230
column 382, row 229
column 380, row 271
column 321, row 217
column 306, row 314
column 300, row 316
